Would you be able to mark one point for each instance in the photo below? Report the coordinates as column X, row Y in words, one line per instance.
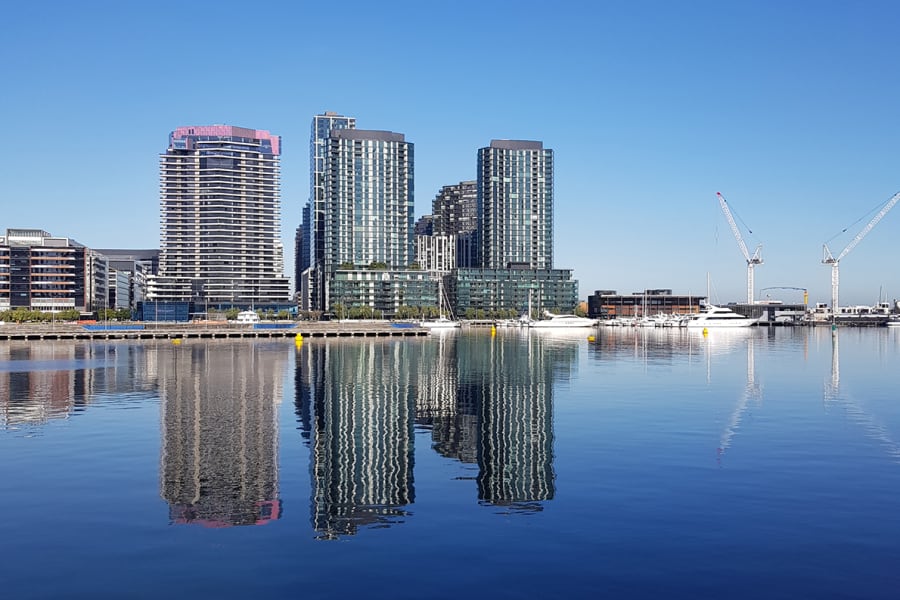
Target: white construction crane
column 828, row 259
column 752, row 261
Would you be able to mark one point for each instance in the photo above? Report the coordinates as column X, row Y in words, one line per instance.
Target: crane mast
column 752, row 261
column 829, row 259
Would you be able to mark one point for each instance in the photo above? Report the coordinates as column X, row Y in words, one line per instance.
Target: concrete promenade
column 211, row 330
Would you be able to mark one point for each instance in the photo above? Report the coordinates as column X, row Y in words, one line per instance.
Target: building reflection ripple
column 220, row 433
column 507, row 382
column 486, row 400
column 361, row 400
column 40, row 382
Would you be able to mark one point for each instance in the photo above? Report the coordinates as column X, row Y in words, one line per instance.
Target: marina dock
column 189, row 331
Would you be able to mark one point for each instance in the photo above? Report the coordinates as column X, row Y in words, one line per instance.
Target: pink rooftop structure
column 227, row 131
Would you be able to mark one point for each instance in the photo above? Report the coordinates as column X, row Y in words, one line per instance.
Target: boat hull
column 700, row 324
column 563, row 323
column 440, row 324
column 719, row 317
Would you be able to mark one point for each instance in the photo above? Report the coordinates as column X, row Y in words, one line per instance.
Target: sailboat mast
column 708, row 298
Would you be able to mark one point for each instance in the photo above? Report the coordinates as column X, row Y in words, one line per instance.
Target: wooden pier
column 192, row 331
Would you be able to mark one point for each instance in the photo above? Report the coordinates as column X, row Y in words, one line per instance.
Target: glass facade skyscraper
column 515, row 205
column 368, row 192
column 313, row 286
column 514, row 236
column 220, row 218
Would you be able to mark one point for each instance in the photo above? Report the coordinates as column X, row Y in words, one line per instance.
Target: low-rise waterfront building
column 609, row 304
column 39, row 271
column 129, row 271
column 382, row 292
column 493, row 290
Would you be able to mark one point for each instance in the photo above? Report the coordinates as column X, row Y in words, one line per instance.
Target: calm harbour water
column 644, row 464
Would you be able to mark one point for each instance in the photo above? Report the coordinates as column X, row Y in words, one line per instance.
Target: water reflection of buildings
column 452, row 418
column 361, row 401
column 509, row 381
column 220, row 436
column 487, row 401
column 52, row 379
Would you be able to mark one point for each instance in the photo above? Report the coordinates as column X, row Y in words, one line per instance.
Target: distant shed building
column 607, row 304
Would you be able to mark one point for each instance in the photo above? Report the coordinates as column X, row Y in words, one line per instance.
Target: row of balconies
column 221, row 218
column 233, row 228
column 228, row 255
column 193, row 163
column 190, row 237
column 218, row 163
column 237, row 230
column 227, row 175
column 269, row 192
column 208, row 215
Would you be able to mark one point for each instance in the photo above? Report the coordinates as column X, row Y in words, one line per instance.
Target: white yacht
column 441, row 322
column 562, row 321
column 718, row 316
column 247, row 316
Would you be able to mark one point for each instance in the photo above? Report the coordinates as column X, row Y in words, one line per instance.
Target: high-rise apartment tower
column 515, row 205
column 455, row 213
column 368, row 189
column 313, row 274
column 220, row 218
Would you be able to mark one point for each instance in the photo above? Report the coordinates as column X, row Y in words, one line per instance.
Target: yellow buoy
column 591, row 338
column 176, row 341
column 705, row 331
column 299, row 337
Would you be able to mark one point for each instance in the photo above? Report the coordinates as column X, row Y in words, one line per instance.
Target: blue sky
column 788, row 108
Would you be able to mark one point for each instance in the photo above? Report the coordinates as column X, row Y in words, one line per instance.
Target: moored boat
column 440, row 323
column 718, row 316
column 247, row 316
column 561, row 321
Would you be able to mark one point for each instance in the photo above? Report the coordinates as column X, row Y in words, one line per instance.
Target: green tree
column 339, row 310
column 361, row 312
column 67, row 315
column 407, row 312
